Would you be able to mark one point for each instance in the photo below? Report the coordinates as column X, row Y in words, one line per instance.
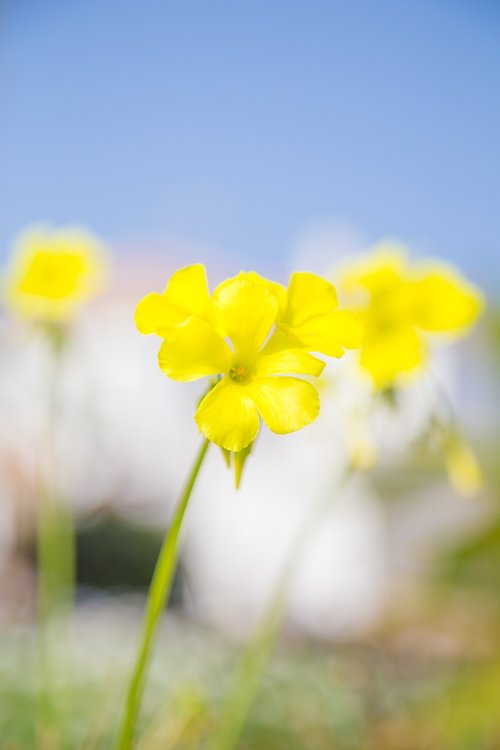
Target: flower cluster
column 401, row 306
column 52, row 272
column 257, row 339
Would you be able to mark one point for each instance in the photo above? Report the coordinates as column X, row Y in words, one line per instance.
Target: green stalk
column 55, row 566
column 159, row 590
column 47, row 566
column 256, row 655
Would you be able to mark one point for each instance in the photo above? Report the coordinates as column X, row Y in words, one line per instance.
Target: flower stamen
column 238, row 373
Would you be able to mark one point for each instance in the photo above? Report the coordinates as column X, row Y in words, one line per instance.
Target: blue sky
column 241, row 125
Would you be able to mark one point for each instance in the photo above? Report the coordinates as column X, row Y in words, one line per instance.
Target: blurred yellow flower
column 399, row 304
column 51, row 272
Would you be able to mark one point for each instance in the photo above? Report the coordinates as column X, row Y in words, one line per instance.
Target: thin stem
column 55, row 565
column 256, row 655
column 159, row 590
column 48, row 587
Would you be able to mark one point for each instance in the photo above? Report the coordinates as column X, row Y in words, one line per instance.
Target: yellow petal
column 289, row 362
column 445, row 302
column 228, row 417
column 462, row 467
column 188, row 289
column 309, row 296
column 387, row 357
column 330, row 334
column 376, row 270
column 347, row 329
column 156, row 314
column 246, row 312
column 285, row 404
column 282, row 339
column 278, row 290
column 193, row 350
column 185, row 295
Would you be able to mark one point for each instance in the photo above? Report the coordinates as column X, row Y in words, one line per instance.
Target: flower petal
column 185, row 295
column 309, row 296
column 228, row 417
column 398, row 352
column 445, row 301
column 463, row 469
column 156, row 314
column 330, row 334
column 188, row 289
column 281, row 338
column 376, row 270
column 289, row 362
column 278, row 290
column 346, row 328
column 285, row 404
column 193, row 350
column 245, row 311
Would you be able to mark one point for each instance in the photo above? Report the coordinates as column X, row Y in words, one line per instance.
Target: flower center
column 238, row 373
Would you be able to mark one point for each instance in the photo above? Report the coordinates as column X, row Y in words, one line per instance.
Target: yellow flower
column 255, row 381
column 399, row 304
column 51, row 272
column 255, row 335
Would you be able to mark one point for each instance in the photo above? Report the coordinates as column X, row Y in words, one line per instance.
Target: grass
column 376, row 697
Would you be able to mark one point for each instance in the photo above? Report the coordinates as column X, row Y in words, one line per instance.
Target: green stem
column 159, row 590
column 56, row 569
column 47, row 604
column 256, row 655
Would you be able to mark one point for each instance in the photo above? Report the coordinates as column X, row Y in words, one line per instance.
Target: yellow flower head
column 51, row 272
column 256, row 336
column 399, row 304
